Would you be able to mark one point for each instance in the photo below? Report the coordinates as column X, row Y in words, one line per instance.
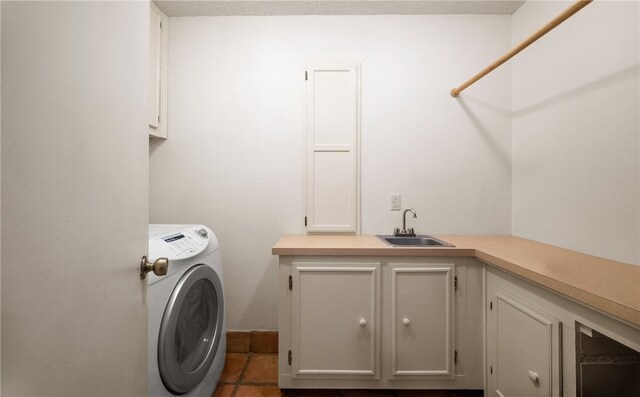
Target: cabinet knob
column 406, row 321
column 363, row 322
column 533, row 376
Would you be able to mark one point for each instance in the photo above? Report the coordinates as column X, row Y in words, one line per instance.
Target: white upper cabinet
column 158, row 40
column 332, row 123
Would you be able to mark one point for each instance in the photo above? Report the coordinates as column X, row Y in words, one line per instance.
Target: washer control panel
column 180, row 245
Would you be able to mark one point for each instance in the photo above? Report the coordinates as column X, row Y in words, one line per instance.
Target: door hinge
column 491, row 305
column 491, row 370
column 455, row 357
column 289, row 357
column 306, row 75
column 160, row 24
column 455, row 283
column 291, row 282
column 305, row 221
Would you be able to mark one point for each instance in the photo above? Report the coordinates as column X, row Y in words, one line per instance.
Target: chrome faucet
column 405, row 232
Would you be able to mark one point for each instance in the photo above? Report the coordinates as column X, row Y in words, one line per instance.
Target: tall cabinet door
column 422, row 320
column 335, row 319
column 332, row 115
column 158, row 56
column 522, row 348
column 155, row 54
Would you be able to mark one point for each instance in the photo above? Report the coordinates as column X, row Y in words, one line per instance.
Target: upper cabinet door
column 158, row 40
column 332, row 123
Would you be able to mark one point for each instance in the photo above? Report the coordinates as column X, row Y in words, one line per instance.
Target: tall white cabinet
column 158, row 59
column 332, row 126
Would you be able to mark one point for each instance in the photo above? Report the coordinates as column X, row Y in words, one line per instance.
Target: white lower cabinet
column 421, row 320
column 335, row 315
column 522, row 347
column 531, row 337
column 364, row 322
column 428, row 323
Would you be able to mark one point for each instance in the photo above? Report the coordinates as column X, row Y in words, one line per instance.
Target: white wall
column 575, row 129
column 233, row 159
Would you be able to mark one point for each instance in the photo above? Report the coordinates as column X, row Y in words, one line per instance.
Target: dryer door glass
column 194, row 327
column 191, row 329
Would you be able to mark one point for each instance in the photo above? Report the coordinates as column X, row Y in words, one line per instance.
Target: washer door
column 191, row 329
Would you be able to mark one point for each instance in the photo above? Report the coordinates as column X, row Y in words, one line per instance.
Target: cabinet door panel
column 522, row 339
column 335, row 312
column 158, row 58
column 333, row 193
column 332, row 114
column 422, row 321
column 155, row 45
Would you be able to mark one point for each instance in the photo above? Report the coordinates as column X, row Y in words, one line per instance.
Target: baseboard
column 252, row 341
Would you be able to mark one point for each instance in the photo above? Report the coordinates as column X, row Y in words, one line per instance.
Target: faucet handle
column 410, row 231
column 396, row 231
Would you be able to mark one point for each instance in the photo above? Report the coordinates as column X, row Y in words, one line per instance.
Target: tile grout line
column 250, row 353
column 260, row 383
column 244, row 368
column 238, row 383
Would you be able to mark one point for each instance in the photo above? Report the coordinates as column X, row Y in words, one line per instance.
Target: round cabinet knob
column 406, row 321
column 533, row 376
column 363, row 322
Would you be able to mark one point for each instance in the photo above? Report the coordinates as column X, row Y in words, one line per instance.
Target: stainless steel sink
column 417, row 241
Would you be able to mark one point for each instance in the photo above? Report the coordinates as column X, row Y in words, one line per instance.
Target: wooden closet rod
column 566, row 14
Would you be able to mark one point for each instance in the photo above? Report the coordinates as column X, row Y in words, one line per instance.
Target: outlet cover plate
column 396, row 202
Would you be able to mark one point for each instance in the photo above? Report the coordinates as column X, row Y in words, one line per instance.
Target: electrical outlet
column 396, row 202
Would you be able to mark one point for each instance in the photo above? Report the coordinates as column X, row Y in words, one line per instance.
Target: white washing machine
column 187, row 330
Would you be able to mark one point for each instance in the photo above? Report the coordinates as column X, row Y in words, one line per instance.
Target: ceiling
column 179, row 8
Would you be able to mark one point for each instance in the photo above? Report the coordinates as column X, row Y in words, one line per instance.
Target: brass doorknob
column 159, row 267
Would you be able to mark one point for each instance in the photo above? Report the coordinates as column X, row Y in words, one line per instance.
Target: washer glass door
column 191, row 329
